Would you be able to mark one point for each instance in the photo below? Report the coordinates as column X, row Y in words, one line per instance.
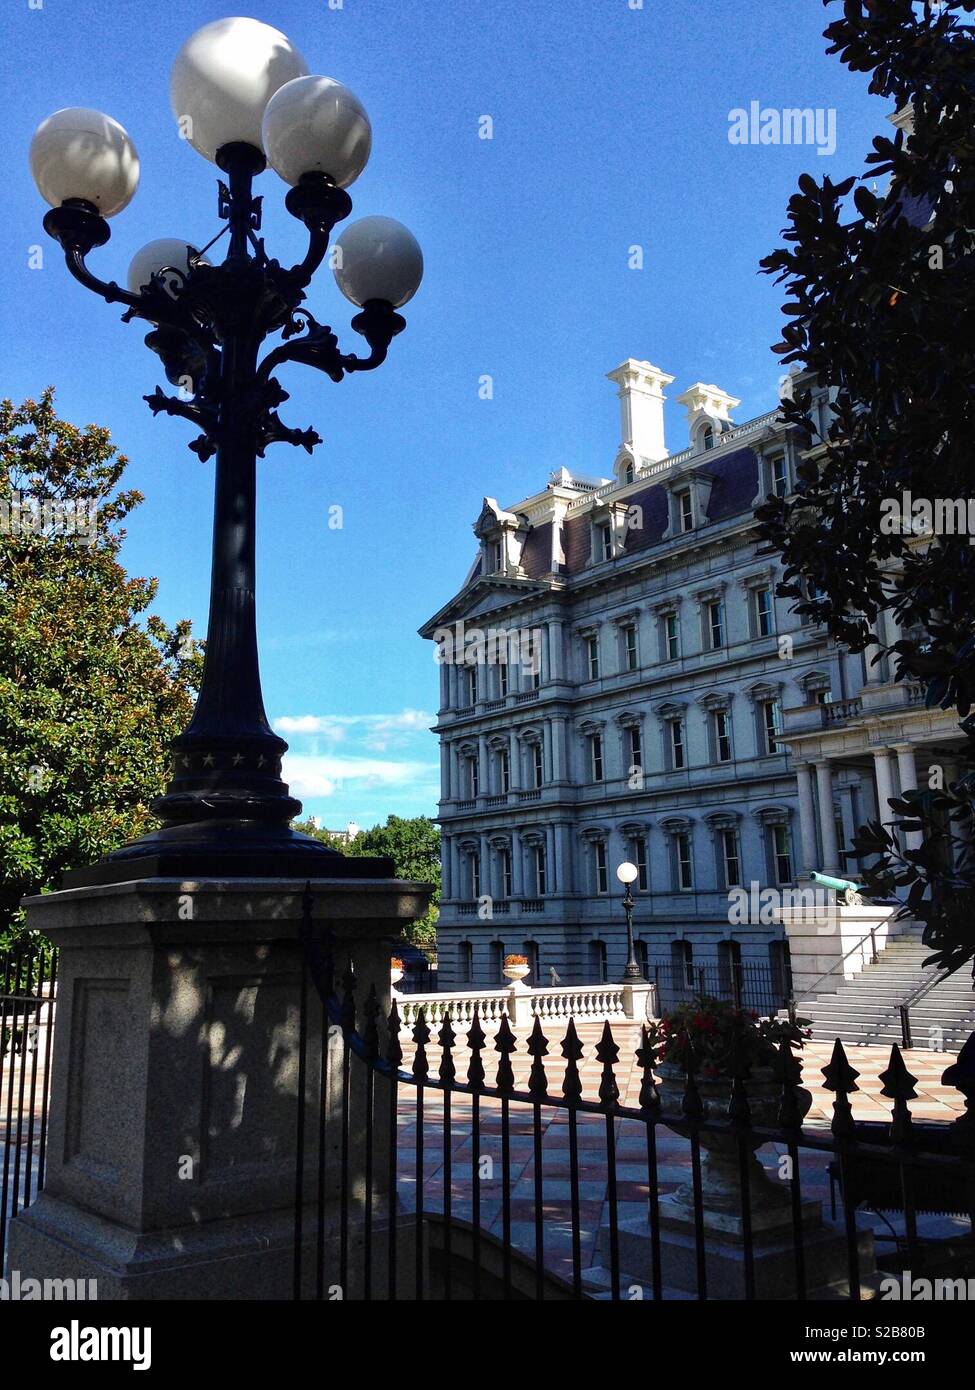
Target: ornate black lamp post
column 243, row 98
column 627, row 875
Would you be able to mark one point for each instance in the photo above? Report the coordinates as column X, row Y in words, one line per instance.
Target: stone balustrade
column 520, row 1004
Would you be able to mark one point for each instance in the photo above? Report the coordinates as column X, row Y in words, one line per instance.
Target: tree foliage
column 92, row 686
column 413, row 844
column 881, row 307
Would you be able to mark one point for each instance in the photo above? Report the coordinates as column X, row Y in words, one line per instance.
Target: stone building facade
column 618, row 681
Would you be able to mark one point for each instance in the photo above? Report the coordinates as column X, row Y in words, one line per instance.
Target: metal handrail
column 870, row 936
column 906, row 1005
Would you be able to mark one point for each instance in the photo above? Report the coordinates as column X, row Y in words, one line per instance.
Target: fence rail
column 375, row 1221
column 28, row 986
column 746, row 984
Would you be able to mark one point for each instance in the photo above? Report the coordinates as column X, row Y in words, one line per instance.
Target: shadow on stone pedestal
column 174, row 1102
column 773, row 1247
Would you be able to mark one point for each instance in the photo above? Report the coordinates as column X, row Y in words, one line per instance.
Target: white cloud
column 376, row 730
column 311, row 775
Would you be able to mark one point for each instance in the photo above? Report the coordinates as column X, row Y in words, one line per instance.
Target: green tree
column 882, row 309
column 92, row 686
column 413, row 844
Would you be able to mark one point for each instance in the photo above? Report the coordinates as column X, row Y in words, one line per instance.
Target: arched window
column 707, row 437
column 682, row 966
column 598, row 974
column 629, row 473
column 529, row 949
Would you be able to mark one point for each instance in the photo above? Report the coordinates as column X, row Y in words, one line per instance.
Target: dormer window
column 629, row 473
column 603, row 541
column 497, row 556
column 685, row 510
column 779, row 475
column 707, row 437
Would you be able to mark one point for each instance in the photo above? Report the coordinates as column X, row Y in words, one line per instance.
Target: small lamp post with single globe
column 243, row 98
column 627, row 875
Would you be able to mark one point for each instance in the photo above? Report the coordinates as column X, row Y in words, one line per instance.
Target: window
column 629, row 474
column 684, row 864
column 604, row 541
column 714, row 624
column 497, row 556
column 771, row 725
column 538, row 773
column 465, row 963
column 685, row 510
column 638, row 854
column 497, row 961
column 598, row 974
column 475, row 874
column 529, row 949
column 779, row 473
column 472, row 685
column 473, row 775
column 596, row 756
column 504, row 772
column 682, row 964
column 782, row 853
column 729, row 971
column 764, row 613
column 672, row 636
column 722, row 736
column 634, row 739
column 730, row 861
column 676, row 744
column 540, row 871
column 503, row 679
column 822, row 697
column 592, row 657
column 780, row 962
column 642, row 958
column 535, row 665
column 707, row 437
column 602, row 871
column 504, row 864
column 628, row 636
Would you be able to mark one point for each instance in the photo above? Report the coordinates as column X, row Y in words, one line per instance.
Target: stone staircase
column 864, row 1010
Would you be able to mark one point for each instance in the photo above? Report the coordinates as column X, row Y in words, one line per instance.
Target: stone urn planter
column 516, row 973
column 720, row 1151
column 395, row 973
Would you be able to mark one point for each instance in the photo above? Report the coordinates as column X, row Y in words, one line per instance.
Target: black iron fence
column 745, row 984
column 466, row 1165
column 28, row 984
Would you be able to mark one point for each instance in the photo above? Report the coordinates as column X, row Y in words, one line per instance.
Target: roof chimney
column 641, row 399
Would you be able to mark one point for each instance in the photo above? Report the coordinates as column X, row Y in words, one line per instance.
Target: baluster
column 793, row 1104
column 646, row 1056
column 840, row 1078
column 607, row 1052
column 505, row 1044
column 394, row 1056
column 899, row 1087
column 475, row 1079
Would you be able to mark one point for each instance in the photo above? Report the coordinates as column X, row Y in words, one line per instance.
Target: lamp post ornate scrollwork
column 244, row 97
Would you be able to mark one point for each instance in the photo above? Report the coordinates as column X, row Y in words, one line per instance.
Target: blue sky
column 610, row 130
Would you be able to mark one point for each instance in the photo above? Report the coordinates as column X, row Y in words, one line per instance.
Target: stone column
column 446, row 790
column 517, row 866
column 174, row 1099
column 483, row 766
column 807, row 817
column 885, row 784
column 547, row 753
column 827, row 819
column 907, row 772
column 514, row 763
column 556, row 649
column 557, row 727
column 554, row 884
column 487, row 878
column 446, row 866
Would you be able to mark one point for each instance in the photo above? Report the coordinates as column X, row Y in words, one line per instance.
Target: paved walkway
column 935, row 1102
